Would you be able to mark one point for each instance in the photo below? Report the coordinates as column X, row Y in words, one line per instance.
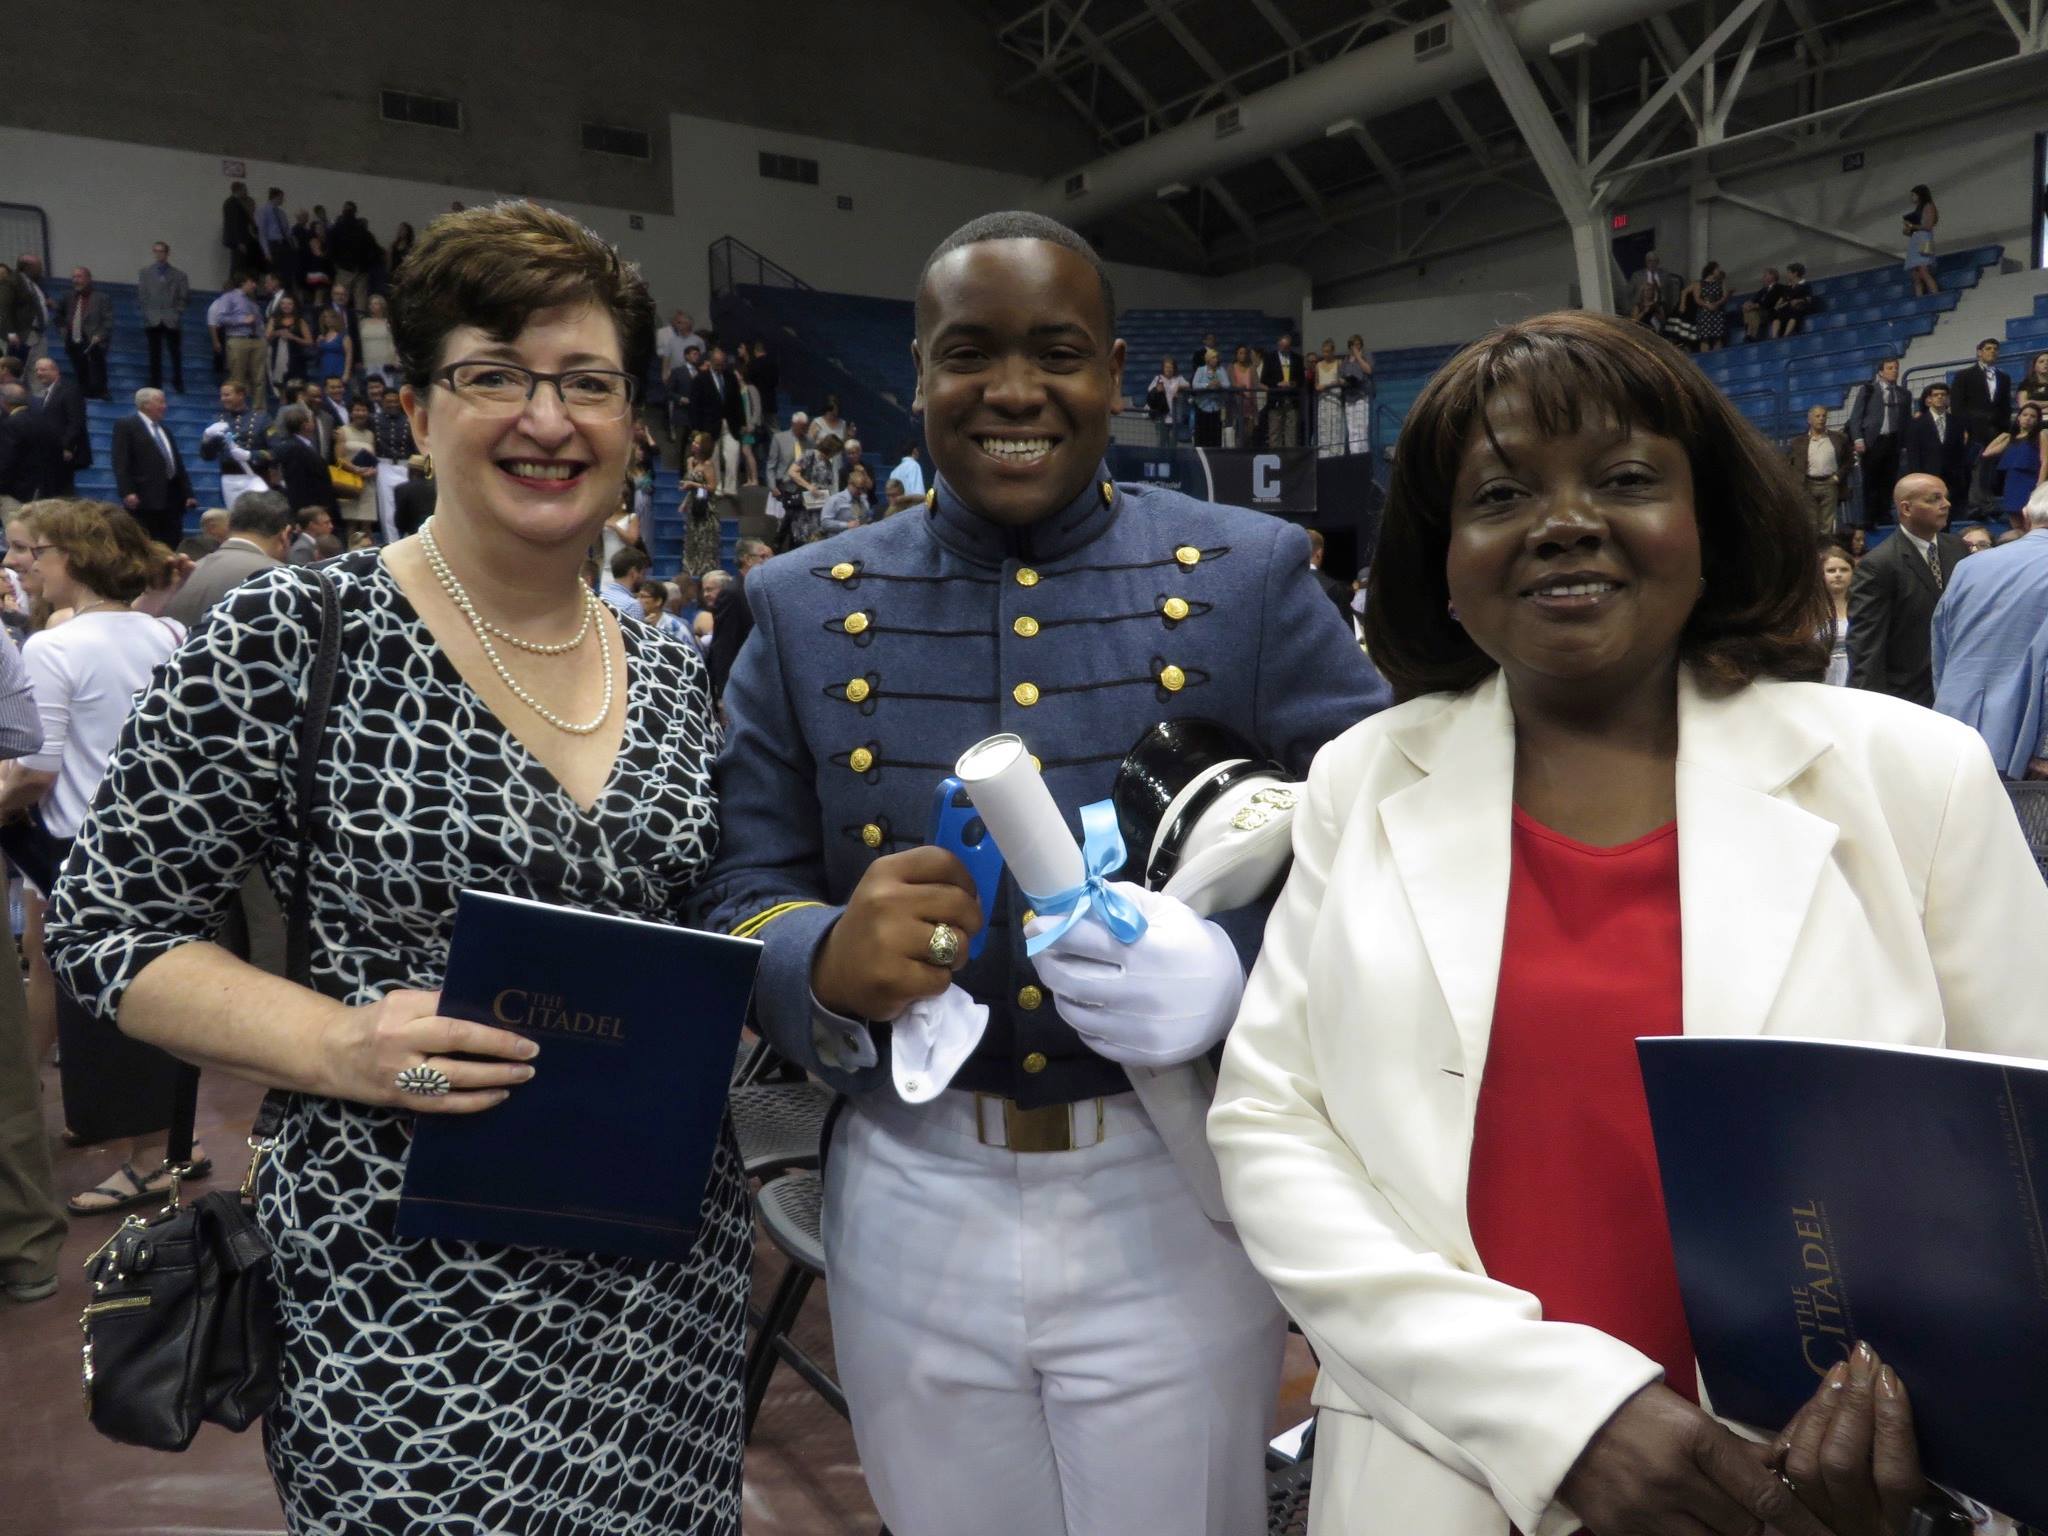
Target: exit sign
column 1619, row 221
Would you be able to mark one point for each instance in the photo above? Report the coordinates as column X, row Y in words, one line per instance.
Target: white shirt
column 1820, row 458
column 86, row 673
column 910, row 475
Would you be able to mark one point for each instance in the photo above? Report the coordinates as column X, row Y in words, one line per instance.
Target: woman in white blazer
column 1595, row 592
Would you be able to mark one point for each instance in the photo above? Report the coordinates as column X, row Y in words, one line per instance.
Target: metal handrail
column 729, row 256
column 42, row 240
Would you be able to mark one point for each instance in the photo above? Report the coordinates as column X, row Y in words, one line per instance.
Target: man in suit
column 1878, row 418
column 31, row 453
column 238, row 231
column 1654, row 293
column 1820, row 459
column 149, row 472
column 87, row 318
column 259, row 534
column 1982, row 397
column 731, row 619
column 162, row 291
column 1282, row 378
column 1892, row 599
column 306, row 483
column 1991, row 648
column 710, row 389
column 59, row 399
column 1938, row 444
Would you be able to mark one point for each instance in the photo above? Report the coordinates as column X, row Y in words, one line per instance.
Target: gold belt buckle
column 1049, row 1128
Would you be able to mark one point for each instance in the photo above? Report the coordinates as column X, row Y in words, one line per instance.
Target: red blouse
column 1563, row 1198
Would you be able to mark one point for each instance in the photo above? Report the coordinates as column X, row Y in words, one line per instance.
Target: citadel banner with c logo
column 1279, row 480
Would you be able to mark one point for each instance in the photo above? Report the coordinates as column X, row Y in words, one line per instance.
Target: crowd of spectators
column 1267, row 397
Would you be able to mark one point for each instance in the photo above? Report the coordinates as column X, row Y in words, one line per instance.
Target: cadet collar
column 973, row 537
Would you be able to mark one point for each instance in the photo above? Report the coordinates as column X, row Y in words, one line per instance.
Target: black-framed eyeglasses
column 503, row 389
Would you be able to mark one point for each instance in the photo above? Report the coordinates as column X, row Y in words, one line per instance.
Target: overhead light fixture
column 1570, row 47
column 1172, row 190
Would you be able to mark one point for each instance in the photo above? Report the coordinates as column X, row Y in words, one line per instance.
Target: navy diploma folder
column 608, row 1148
column 1822, row 1192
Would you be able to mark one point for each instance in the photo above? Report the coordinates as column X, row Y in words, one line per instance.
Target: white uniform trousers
column 233, row 483
column 1045, row 1343
column 391, row 474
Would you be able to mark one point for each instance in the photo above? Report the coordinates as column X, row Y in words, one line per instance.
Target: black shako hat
column 1195, row 798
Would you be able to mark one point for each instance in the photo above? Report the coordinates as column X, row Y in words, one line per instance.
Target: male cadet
column 1039, row 1328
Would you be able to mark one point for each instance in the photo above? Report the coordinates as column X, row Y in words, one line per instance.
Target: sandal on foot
column 138, row 1192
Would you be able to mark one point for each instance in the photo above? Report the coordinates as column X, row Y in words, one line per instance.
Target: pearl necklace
column 483, row 630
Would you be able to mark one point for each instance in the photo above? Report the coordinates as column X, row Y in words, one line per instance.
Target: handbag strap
column 298, row 943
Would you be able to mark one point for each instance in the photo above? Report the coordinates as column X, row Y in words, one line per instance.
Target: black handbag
column 182, row 1326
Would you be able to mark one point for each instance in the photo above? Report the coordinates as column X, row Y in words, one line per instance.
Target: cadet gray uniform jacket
column 878, row 656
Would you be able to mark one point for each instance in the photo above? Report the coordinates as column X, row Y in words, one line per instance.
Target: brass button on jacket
column 856, row 623
column 843, row 570
column 857, row 690
column 861, row 760
column 1026, row 577
column 1029, row 998
column 1025, row 694
column 1175, row 608
column 1025, row 625
column 871, row 835
column 1188, row 555
column 1172, row 679
column 1036, row 1062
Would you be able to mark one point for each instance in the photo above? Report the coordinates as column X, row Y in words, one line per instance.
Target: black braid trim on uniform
column 1195, row 676
column 1084, row 762
column 867, row 705
column 861, row 573
column 874, row 769
column 1195, row 611
column 889, row 838
column 1215, row 553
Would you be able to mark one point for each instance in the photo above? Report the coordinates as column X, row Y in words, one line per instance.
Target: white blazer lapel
column 1449, row 834
column 1738, row 930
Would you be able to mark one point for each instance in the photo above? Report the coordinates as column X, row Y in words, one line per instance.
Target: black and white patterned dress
column 449, row 1388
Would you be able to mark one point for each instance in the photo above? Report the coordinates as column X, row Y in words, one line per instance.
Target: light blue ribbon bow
column 1102, row 852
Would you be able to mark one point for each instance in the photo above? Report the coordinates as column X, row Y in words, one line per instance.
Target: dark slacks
column 89, row 367
column 1880, row 474
column 162, row 337
column 164, row 524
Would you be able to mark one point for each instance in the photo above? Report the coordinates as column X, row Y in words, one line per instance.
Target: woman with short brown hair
column 90, row 561
column 1611, row 804
column 493, row 727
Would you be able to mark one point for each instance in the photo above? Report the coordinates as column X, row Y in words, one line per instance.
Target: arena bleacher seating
column 187, row 416
column 2032, row 331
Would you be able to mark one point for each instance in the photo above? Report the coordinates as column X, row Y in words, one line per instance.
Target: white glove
column 929, row 1041
column 1156, row 1003
column 218, row 429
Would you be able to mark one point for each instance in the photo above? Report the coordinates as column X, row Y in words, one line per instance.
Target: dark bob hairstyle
column 1763, row 609
column 497, row 267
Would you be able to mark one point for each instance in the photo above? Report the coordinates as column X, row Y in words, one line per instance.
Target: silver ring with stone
column 944, row 947
column 424, row 1081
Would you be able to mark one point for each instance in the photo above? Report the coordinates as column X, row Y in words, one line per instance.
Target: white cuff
column 843, row 1044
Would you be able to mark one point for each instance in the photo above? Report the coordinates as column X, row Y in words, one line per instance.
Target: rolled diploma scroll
column 1012, row 799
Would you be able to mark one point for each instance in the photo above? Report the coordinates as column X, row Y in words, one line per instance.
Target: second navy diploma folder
column 608, row 1148
column 1822, row 1192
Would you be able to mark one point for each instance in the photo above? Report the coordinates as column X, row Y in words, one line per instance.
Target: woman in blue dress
column 1919, row 231
column 2018, row 453
column 334, row 353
